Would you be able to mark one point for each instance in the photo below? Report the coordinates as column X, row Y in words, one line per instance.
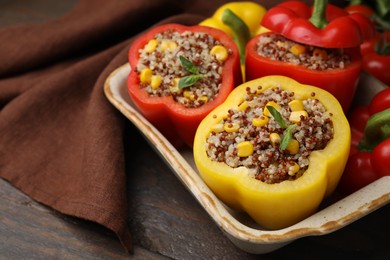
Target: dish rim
column 348, row 209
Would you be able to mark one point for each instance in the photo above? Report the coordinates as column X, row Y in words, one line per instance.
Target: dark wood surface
column 166, row 222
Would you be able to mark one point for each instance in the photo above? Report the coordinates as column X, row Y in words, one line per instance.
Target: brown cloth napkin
column 61, row 141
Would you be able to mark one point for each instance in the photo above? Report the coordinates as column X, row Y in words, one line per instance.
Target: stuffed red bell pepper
column 179, row 74
column 370, row 144
column 317, row 46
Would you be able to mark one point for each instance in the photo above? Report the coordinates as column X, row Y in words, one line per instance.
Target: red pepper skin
column 369, row 45
column 374, row 63
column 358, row 173
column 364, row 167
column 341, row 83
column 381, row 158
column 176, row 122
column 357, row 118
column 380, row 101
column 360, row 8
column 378, row 66
column 343, row 30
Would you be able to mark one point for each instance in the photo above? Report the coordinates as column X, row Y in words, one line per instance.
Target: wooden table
column 165, row 220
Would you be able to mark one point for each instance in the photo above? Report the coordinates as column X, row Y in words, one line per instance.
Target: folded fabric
column 61, row 141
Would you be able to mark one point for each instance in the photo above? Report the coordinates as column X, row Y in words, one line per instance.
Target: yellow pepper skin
column 250, row 12
column 275, row 206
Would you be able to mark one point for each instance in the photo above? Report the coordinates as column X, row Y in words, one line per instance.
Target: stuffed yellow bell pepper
column 240, row 20
column 274, row 149
column 250, row 13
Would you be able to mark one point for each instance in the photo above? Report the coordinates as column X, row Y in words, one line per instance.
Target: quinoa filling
column 250, row 136
column 277, row 47
column 160, row 67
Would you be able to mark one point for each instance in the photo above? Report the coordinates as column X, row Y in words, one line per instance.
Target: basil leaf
column 188, row 65
column 189, row 80
column 277, row 116
column 287, row 137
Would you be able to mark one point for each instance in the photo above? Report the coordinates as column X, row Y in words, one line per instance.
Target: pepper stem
column 383, row 7
column 377, row 129
column 382, row 47
column 381, row 24
column 318, row 17
column 241, row 31
column 355, row 2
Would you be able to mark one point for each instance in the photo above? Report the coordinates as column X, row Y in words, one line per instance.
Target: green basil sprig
column 277, row 116
column 287, row 134
column 287, row 137
column 191, row 79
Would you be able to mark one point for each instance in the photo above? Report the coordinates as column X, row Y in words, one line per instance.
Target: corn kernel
column 274, row 138
column 320, row 53
column 217, row 128
column 259, row 90
column 220, row 52
column 175, row 87
column 203, row 98
column 293, row 146
column 297, row 49
column 146, row 75
column 260, row 121
column 155, row 81
column 243, row 106
column 231, row 127
column 245, row 149
column 296, row 105
column 151, row 45
column 188, row 94
column 295, row 116
column 176, row 82
column 272, row 104
column 292, row 170
column 168, row 45
column 172, row 46
column 281, row 44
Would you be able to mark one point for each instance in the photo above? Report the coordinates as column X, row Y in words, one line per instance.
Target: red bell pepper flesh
column 378, row 66
column 358, row 173
column 369, row 160
column 342, row 31
column 302, row 10
column 369, row 45
column 380, row 101
column 360, row 8
column 358, row 119
column 376, row 57
column 341, row 83
column 176, row 122
column 381, row 157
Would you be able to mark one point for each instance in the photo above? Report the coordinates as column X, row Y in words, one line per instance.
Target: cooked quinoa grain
column 160, row 68
column 277, row 47
column 249, row 136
